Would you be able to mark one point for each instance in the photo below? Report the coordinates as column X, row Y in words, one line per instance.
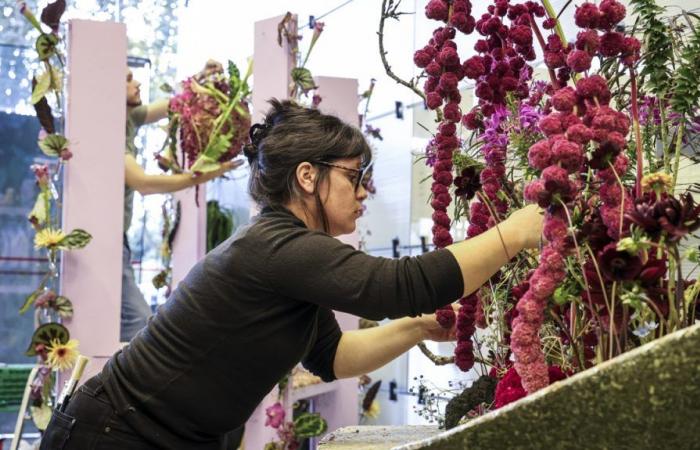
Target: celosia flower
column 579, row 61
column 612, row 43
column 62, row 356
column 611, row 13
column 564, row 99
column 587, row 15
column 588, row 40
column 437, row 10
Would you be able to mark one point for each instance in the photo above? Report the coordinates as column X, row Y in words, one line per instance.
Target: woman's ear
column 306, row 177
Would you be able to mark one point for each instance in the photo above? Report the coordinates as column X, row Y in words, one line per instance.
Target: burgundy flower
column 612, row 43
column 564, row 99
column 611, row 13
column 421, row 58
column 433, row 100
column 472, row 121
column 448, row 56
column 588, row 40
column 467, row 183
column 551, row 125
column 593, row 86
column 579, row 133
column 437, row 10
column 652, row 271
column 452, row 112
column 579, row 61
column 448, row 81
column 275, row 415
column 549, row 23
column 521, row 35
column 587, row 15
column 618, row 265
column 434, row 70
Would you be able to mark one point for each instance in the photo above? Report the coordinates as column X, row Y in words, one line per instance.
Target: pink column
column 272, row 66
column 339, row 407
column 190, row 243
column 93, row 189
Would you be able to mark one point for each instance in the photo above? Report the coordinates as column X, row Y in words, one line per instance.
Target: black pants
column 90, row 422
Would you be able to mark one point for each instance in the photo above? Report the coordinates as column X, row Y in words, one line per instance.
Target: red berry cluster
column 610, row 44
column 441, row 62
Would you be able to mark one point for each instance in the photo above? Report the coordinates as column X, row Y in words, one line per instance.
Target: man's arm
column 156, row 111
column 146, row 184
column 362, row 351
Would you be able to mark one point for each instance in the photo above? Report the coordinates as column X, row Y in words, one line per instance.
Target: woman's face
column 341, row 201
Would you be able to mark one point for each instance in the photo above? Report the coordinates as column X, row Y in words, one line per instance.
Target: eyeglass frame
column 361, row 173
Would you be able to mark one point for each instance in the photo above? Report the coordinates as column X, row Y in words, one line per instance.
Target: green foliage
column 686, row 95
column 53, row 144
column 29, row 300
column 309, row 425
column 219, row 224
column 75, row 239
column 303, row 80
column 657, row 46
column 46, row 46
column 45, row 334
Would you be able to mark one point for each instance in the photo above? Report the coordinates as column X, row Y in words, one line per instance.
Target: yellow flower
column 657, row 182
column 62, row 356
column 373, row 411
column 48, row 238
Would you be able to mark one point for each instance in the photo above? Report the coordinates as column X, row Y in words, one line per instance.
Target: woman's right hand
column 528, row 223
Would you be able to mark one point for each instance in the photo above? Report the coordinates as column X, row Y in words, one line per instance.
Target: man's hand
column 433, row 331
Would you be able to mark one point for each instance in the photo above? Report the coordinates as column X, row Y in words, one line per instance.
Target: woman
column 262, row 301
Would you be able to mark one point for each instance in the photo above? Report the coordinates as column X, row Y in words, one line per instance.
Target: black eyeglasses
column 362, row 174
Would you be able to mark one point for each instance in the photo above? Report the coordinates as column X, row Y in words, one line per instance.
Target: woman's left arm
column 362, row 351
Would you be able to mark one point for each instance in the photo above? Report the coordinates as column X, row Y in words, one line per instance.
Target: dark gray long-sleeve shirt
column 247, row 313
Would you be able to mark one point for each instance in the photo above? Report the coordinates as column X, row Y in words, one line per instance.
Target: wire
column 331, row 11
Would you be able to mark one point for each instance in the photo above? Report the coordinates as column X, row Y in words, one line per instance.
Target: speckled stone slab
column 648, row 398
column 374, row 437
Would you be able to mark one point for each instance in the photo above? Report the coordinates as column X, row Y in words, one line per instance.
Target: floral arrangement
column 302, row 80
column 292, row 433
column 211, row 118
column 51, row 342
column 598, row 145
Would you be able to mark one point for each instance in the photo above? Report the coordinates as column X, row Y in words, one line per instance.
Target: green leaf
column 53, row 144
column 41, row 415
column 77, row 238
column 45, row 334
column 42, row 86
column 29, row 301
column 165, row 87
column 46, row 46
column 303, row 79
column 204, row 164
column 39, row 215
column 234, row 79
column 64, row 307
column 309, row 425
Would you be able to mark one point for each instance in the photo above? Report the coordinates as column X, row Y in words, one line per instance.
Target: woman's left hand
column 433, row 331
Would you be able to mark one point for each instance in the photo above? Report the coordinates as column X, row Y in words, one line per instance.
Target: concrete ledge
column 648, row 398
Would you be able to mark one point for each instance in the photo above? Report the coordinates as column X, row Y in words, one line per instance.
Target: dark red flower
column 551, row 125
column 612, row 43
column 618, row 265
column 579, row 61
column 549, row 23
column 437, row 10
column 652, row 271
column 448, row 81
column 467, row 183
column 579, row 133
column 521, row 35
column 452, row 112
column 421, row 58
column 510, row 388
column 448, row 57
column 611, row 13
column 433, row 100
column 587, row 15
column 564, row 99
column 472, row 120
column 588, row 40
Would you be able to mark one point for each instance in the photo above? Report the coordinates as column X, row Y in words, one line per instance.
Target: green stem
column 638, row 134
column 664, row 136
column 677, row 158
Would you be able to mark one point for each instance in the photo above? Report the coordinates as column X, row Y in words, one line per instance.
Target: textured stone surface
column 648, row 398
column 374, row 437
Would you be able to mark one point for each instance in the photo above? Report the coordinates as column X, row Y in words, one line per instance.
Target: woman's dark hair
column 290, row 135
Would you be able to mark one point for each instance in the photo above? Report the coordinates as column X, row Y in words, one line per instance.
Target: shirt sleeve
column 315, row 267
column 321, row 356
column 138, row 115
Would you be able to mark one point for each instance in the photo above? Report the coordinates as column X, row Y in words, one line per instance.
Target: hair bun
column 251, row 152
column 257, row 133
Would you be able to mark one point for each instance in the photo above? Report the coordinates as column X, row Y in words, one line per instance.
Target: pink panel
column 340, row 407
column 190, row 242
column 93, row 196
column 271, row 77
column 272, row 66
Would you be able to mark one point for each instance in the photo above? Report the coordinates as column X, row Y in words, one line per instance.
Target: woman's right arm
column 483, row 255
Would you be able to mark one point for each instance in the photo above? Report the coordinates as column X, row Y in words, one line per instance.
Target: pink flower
column 540, row 155
column 441, row 218
column 555, row 229
column 447, row 129
column 275, row 415
column 551, row 125
column 579, row 61
column 446, row 317
column 542, row 287
column 564, row 99
column 579, row 133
